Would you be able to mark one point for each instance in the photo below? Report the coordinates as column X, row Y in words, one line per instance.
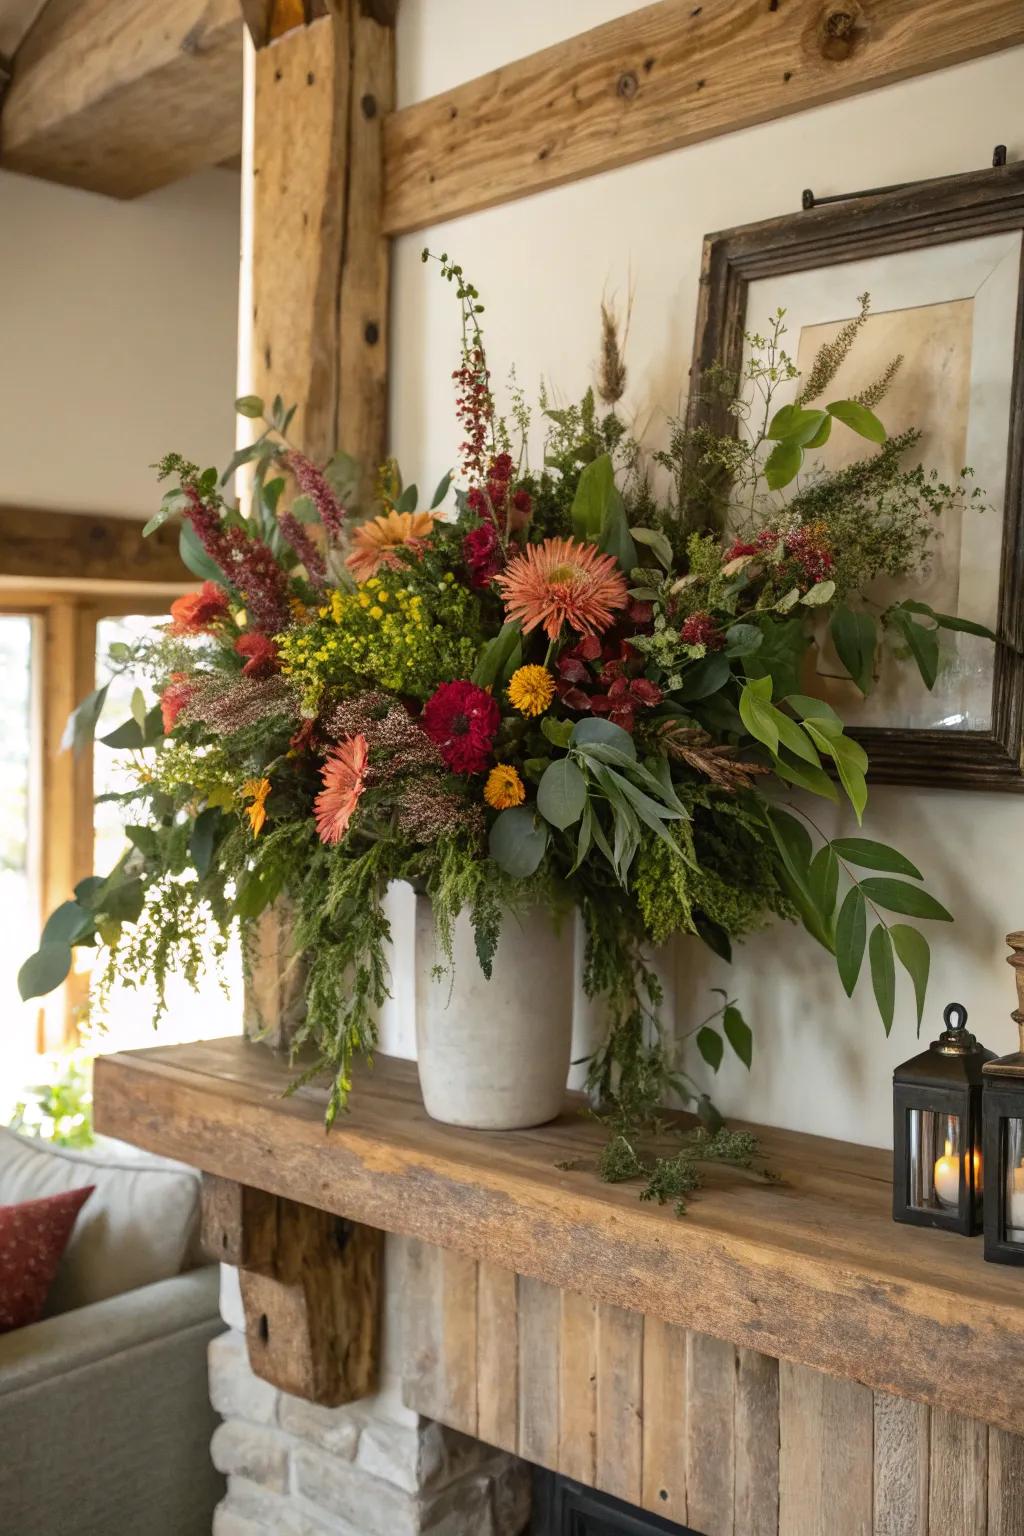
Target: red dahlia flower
column 462, row 720
column 197, row 612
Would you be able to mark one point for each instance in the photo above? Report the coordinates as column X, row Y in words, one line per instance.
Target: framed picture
column 943, row 262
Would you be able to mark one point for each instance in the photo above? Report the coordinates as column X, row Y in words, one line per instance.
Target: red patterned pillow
column 33, row 1237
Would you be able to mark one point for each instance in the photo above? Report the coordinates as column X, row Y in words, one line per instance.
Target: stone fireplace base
column 373, row 1468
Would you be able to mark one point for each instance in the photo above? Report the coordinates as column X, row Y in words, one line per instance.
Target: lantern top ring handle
column 954, row 1016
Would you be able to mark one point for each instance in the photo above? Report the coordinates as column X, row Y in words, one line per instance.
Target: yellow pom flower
column 531, row 690
column 504, row 788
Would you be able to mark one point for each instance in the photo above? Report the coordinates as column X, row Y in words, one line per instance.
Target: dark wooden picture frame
column 927, row 214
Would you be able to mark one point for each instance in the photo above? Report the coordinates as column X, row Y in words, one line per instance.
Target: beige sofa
column 105, row 1419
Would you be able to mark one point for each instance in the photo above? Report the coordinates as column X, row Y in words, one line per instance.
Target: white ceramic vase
column 494, row 1055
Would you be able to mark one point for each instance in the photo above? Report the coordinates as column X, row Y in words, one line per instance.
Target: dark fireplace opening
column 564, row 1508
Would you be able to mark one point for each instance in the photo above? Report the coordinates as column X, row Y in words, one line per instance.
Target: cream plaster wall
column 117, row 339
column 821, row 1063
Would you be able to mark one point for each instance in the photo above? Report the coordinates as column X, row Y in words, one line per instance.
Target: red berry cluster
column 806, row 546
column 701, row 629
column 604, row 678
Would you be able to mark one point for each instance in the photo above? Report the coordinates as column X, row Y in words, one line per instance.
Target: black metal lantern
column 1003, row 1137
column 937, row 1166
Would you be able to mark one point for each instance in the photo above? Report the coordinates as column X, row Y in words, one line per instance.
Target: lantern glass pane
column 934, row 1141
column 1014, row 1164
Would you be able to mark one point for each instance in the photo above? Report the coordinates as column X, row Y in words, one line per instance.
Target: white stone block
column 336, row 1430
column 235, row 1392
column 338, row 1489
column 252, row 1451
column 255, row 1510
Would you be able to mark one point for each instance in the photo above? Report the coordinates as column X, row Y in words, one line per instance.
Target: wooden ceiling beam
column 120, row 97
column 43, row 546
column 670, row 75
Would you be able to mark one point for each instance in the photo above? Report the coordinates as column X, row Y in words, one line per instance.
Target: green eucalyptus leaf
column 657, row 543
column 593, row 497
column 855, row 637
column 517, row 842
column 816, row 780
column 757, row 713
column 923, row 644
column 739, row 1034
column 743, row 640
column 82, row 722
column 859, row 419
column 558, row 732
column 783, row 464
column 126, row 736
column 597, row 731
column 851, row 937
column 408, row 499
column 195, row 558
column 124, row 902
column 914, row 954
column 443, row 486
column 781, row 655
column 714, row 936
column 203, row 838
column 249, row 405
column 898, row 896
column 821, row 593
column 883, row 973
column 138, row 708
column 796, row 424
column 45, row 970
column 709, row 1043
column 704, row 678
column 67, row 924
column 823, row 878
column 867, row 854
column 158, row 519
column 562, row 794
column 490, row 663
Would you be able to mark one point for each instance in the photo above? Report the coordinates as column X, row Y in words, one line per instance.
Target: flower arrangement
column 564, row 688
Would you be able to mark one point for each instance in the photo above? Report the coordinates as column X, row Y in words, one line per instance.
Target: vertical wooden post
column 313, row 306
column 315, row 263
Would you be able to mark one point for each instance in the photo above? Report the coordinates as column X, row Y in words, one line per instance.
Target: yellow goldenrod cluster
column 387, row 632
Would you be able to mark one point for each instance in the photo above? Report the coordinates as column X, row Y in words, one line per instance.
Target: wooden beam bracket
column 311, row 1289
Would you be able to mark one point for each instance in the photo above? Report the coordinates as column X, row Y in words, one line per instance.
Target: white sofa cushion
column 139, row 1226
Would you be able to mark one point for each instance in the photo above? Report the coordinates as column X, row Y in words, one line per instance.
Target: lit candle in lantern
column 947, row 1179
column 1015, row 1224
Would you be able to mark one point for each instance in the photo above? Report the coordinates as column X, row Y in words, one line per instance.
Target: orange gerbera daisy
column 562, row 582
column 344, row 776
column 374, row 542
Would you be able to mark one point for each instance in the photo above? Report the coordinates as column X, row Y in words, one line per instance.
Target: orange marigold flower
column 374, row 542
column 531, row 690
column 504, row 788
column 344, row 776
column 562, row 582
column 256, row 791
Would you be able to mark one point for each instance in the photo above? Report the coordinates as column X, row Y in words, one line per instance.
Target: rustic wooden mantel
column 810, row 1269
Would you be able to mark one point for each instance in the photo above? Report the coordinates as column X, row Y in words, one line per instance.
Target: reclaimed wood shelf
column 811, row 1268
